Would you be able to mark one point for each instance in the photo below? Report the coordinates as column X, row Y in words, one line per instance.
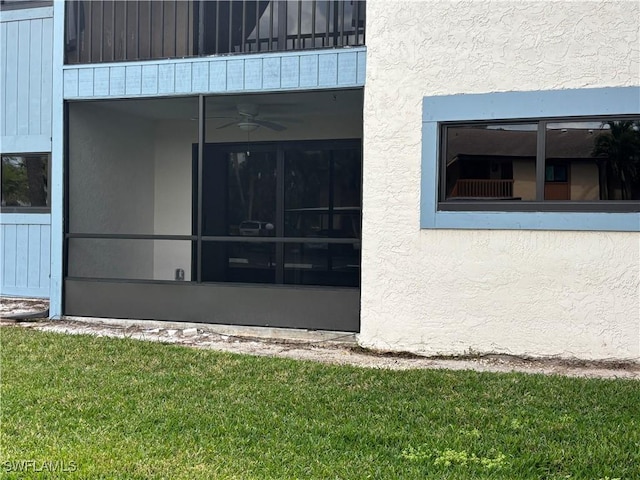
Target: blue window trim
column 512, row 106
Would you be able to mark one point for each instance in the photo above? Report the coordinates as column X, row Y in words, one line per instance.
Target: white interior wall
column 110, row 149
column 571, row 294
column 173, row 195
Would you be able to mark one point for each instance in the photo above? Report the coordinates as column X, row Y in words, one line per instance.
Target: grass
column 112, row 408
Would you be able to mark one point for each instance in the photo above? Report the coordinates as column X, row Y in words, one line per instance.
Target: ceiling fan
column 249, row 119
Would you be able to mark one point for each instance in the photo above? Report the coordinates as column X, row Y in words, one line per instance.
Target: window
column 549, row 160
column 25, row 182
column 572, row 164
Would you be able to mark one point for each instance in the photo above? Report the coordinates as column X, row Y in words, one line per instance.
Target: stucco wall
column 571, row 294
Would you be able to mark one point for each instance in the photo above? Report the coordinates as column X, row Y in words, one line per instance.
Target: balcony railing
column 109, row 31
column 475, row 188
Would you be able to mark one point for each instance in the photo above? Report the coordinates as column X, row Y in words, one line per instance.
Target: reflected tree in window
column 24, row 181
column 618, row 152
column 14, row 181
column 252, row 186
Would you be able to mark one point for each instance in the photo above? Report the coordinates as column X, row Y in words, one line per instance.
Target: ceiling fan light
column 248, row 126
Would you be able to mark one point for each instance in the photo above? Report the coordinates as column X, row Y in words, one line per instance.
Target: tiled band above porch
column 309, row 70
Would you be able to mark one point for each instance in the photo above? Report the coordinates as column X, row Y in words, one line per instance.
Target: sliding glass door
column 281, row 213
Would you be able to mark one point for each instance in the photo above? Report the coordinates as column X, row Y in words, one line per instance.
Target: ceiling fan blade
column 209, row 118
column 248, row 110
column 227, row 125
column 271, row 125
column 284, row 118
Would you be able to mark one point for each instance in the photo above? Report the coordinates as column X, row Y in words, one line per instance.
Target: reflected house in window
column 583, row 161
column 491, row 162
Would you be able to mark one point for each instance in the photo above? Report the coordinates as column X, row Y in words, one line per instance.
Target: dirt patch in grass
column 338, row 349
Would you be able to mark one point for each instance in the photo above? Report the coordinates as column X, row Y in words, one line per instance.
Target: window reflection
column 591, row 161
column 239, row 194
column 585, row 160
column 491, row 162
column 322, row 193
column 25, row 181
column 312, row 192
column 307, row 193
column 252, row 199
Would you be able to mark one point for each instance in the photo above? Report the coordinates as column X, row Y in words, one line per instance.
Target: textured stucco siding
column 540, row 293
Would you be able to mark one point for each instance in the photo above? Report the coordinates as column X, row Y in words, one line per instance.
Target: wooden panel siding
column 26, row 50
column 250, row 73
column 25, row 255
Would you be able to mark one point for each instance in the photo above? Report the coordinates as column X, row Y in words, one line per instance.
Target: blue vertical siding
column 46, row 98
column 343, row 68
column 26, row 96
column 85, row 82
column 235, row 75
column 217, row 76
column 26, row 78
column 101, row 81
column 10, row 80
column 200, row 79
column 290, row 72
column 25, row 255
column 271, row 72
column 308, row 71
column 183, row 78
column 116, row 81
column 328, row 69
column 166, row 78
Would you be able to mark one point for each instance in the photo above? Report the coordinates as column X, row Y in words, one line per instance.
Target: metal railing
column 107, row 31
column 483, row 188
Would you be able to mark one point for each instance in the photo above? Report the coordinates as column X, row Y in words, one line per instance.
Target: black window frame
column 30, row 210
column 539, row 205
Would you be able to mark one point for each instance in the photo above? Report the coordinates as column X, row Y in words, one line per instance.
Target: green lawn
column 112, row 408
